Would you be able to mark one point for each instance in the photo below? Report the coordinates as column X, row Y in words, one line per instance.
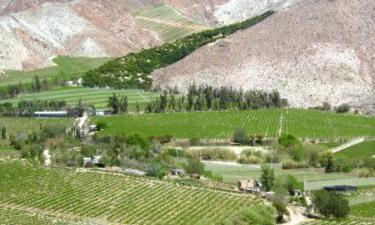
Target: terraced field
column 167, row 22
column 66, row 67
column 91, row 96
column 74, row 195
column 15, row 125
column 270, row 123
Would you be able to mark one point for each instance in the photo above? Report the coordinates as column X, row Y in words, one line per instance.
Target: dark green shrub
column 331, row 204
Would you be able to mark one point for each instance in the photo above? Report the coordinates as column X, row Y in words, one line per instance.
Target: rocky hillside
column 319, row 50
column 34, row 31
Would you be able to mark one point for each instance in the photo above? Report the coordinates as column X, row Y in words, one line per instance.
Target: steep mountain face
column 319, row 50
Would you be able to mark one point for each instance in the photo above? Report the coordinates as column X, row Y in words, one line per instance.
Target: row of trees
column 118, row 104
column 204, row 98
column 37, row 85
column 27, row 108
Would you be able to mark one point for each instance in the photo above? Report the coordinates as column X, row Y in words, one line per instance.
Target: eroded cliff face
column 319, row 50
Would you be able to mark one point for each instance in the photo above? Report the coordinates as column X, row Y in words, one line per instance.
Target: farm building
column 249, row 185
column 341, row 188
column 177, row 172
column 51, row 114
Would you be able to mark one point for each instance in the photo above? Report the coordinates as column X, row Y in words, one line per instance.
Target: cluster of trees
column 27, row 108
column 331, row 204
column 343, row 108
column 309, row 155
column 240, row 136
column 37, row 85
column 119, row 104
column 133, row 70
column 204, row 98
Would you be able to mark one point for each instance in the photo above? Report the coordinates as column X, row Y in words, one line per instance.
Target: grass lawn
column 66, row 67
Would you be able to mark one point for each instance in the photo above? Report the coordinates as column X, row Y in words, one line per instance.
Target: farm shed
column 177, row 172
column 341, row 188
column 249, row 185
column 51, row 114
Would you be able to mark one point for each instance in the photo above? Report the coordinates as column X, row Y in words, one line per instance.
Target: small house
column 51, row 114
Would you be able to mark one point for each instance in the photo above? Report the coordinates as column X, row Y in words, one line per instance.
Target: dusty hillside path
column 347, row 145
column 296, row 217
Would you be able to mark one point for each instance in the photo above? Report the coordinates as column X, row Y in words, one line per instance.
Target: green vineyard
column 270, row 123
column 68, row 195
column 167, row 22
column 90, row 96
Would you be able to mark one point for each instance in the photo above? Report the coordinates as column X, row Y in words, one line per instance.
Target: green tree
column 288, row 141
column 267, row 177
column 3, row 132
column 331, row 204
column 37, row 84
column 195, row 166
column 114, row 104
column 240, row 136
column 124, row 104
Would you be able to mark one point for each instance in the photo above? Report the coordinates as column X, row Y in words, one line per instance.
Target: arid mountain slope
column 319, row 50
column 37, row 32
column 34, row 31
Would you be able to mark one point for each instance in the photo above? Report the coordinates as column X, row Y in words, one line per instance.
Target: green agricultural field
column 90, row 96
column 66, row 67
column 15, row 125
column 365, row 150
column 365, row 210
column 270, row 123
column 167, row 22
column 119, row 199
column 28, row 217
column 234, row 173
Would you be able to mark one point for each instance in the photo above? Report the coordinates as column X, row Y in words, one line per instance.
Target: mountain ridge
column 318, row 51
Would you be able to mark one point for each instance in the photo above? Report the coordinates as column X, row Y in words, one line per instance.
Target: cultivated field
column 270, row 123
column 72, row 195
column 167, row 22
column 365, row 150
column 90, row 96
column 66, row 67
column 234, row 173
column 15, row 125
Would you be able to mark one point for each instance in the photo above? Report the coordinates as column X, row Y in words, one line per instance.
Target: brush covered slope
column 315, row 52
